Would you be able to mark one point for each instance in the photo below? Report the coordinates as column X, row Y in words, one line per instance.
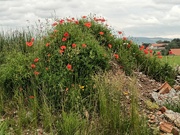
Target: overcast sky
column 150, row 18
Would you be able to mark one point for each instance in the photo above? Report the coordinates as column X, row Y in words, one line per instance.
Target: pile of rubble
column 166, row 120
column 177, row 80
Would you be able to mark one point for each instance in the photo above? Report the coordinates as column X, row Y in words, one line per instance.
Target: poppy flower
column 158, row 53
column 33, row 66
column 101, row 33
column 76, row 22
column 145, row 51
column 66, row 34
column 110, row 46
column 170, row 52
column 31, row 97
column 119, row 32
column 54, row 24
column 129, row 45
column 124, row 38
column 61, row 51
column 150, row 51
column 36, row 60
column 63, row 47
column 29, row 43
column 36, row 73
column 73, row 45
column 61, row 21
column 87, row 24
column 159, row 56
column 116, row 56
column 84, row 45
column 47, row 44
column 69, row 66
column 32, row 39
column 64, row 39
column 84, row 16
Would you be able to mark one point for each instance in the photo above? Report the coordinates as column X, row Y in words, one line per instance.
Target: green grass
column 172, row 60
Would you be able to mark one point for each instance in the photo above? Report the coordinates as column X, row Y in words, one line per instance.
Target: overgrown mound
column 66, row 58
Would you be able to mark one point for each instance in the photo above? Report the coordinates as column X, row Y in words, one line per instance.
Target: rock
column 163, row 109
column 173, row 116
column 175, row 131
column 166, row 127
column 165, row 88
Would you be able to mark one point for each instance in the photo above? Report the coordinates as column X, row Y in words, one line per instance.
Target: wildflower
column 158, row 53
column 67, row 89
column 66, row 34
column 29, row 43
column 61, row 21
column 33, row 66
column 129, row 45
column 61, row 51
column 36, row 60
column 119, row 32
column 170, row 52
column 47, row 68
column 76, row 22
column 87, row 24
column 159, row 56
column 48, row 54
column 55, row 31
column 84, row 45
column 84, row 16
column 73, row 45
column 101, row 33
column 31, row 97
column 116, row 56
column 145, row 51
column 64, row 39
column 36, row 73
column 63, row 47
column 54, row 24
column 150, row 51
column 32, row 39
column 124, row 38
column 69, row 66
column 47, row 44
column 110, row 46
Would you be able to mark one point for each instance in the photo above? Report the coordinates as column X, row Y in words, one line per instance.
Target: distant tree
column 165, row 41
column 175, row 43
column 146, row 45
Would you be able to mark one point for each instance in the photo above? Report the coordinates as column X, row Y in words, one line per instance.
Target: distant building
column 158, row 46
column 175, row 51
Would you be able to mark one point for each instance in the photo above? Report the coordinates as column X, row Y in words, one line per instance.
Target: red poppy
column 29, row 43
column 116, row 56
column 54, row 24
column 61, row 21
column 47, row 44
column 32, row 39
column 76, row 22
column 33, row 66
column 119, row 32
column 158, row 53
column 69, row 66
column 129, row 45
column 170, row 52
column 66, row 34
column 63, row 47
column 84, row 16
column 150, row 51
column 36, row 60
column 145, row 51
column 87, row 24
column 110, row 46
column 64, row 39
column 159, row 56
column 101, row 33
column 36, row 73
column 124, row 38
column 31, row 97
column 61, row 51
column 73, row 45
column 84, row 45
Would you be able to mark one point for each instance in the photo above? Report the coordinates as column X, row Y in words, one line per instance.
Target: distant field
column 172, row 60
